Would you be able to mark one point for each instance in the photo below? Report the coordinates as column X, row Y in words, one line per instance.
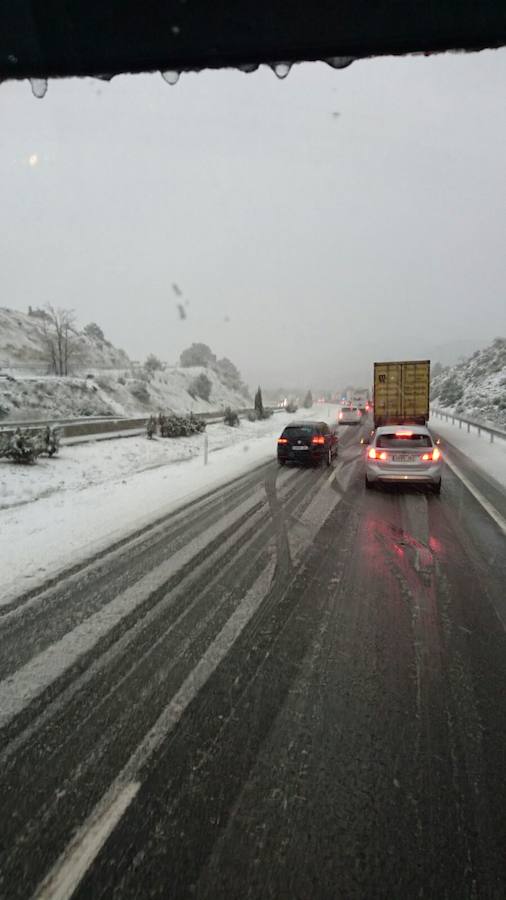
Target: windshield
column 252, row 639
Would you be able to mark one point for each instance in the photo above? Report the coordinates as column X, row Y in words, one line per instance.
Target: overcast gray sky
column 313, row 224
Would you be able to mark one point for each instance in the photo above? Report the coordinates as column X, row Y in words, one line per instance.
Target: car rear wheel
column 437, row 487
column 368, row 484
column 281, row 462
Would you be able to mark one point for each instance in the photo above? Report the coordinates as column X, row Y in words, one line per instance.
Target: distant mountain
column 475, row 386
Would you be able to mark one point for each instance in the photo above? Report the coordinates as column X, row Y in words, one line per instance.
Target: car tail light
column 405, row 434
column 373, row 454
column 340, row 415
column 318, row 439
column 282, row 440
column 433, row 456
column 359, row 413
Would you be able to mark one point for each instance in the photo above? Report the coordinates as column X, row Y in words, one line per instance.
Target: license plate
column 301, row 447
column 404, row 458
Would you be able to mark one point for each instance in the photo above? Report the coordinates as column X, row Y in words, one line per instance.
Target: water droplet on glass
column 39, row 87
column 339, row 62
column 248, row 67
column 106, row 77
column 175, row 29
column 170, row 76
column 12, row 59
column 281, row 69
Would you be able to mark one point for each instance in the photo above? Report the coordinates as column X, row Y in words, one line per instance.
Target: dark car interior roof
column 51, row 38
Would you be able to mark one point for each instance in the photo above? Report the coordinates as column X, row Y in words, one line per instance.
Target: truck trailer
column 401, row 392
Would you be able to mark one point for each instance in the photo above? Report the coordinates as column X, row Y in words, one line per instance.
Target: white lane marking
column 78, row 856
column 20, row 688
column 213, row 564
column 499, row 520
column 86, row 848
column 331, row 476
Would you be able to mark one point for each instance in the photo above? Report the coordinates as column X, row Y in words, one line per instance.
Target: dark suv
column 307, row 442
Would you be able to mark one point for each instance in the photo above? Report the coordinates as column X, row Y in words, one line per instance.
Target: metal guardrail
column 91, row 428
column 491, row 430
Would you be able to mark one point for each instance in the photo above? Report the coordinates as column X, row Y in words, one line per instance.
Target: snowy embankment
column 64, row 510
column 491, row 458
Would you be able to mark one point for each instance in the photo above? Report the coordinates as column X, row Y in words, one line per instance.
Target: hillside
column 103, row 382
column 475, row 387
column 23, row 350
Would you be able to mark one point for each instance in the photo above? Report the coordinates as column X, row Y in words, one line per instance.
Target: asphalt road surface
column 292, row 688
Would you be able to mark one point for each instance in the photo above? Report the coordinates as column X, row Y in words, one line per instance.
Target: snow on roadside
column 79, row 466
column 489, row 457
column 103, row 492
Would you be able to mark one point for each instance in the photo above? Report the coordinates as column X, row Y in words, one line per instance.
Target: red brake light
column 373, row 454
column 404, row 434
column 431, row 457
column 282, row 440
column 359, row 413
column 318, row 439
column 340, row 415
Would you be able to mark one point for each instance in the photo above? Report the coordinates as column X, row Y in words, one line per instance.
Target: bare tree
column 60, row 338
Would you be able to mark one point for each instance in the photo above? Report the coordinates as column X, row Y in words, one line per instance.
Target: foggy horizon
column 312, row 225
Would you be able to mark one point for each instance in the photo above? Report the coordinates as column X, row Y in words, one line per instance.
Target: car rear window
column 299, row 431
column 396, row 442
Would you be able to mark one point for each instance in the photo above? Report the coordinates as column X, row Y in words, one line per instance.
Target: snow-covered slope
column 105, row 381
column 475, row 387
column 22, row 347
column 118, row 394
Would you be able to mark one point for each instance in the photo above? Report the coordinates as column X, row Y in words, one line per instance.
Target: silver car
column 403, row 453
column 349, row 415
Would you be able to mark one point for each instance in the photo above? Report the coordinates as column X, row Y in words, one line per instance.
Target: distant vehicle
column 406, row 454
column 401, row 392
column 307, row 442
column 349, row 415
column 360, row 398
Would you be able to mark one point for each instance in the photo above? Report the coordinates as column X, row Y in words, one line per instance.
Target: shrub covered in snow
column 201, row 387
column 139, row 390
column 197, row 355
column 153, row 364
column 230, row 417
column 21, row 446
column 171, row 426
